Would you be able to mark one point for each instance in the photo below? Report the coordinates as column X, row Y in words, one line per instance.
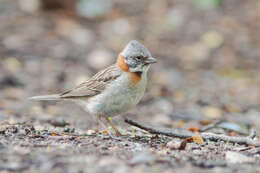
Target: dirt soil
column 208, row 69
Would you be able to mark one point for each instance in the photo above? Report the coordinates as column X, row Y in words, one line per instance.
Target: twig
column 211, row 126
column 182, row 133
column 252, row 134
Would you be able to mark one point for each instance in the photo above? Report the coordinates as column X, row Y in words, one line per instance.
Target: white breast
column 119, row 96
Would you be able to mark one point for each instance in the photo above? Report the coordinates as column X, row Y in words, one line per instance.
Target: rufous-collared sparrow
column 115, row 89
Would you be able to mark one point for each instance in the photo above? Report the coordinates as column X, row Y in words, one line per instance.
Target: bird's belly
column 114, row 101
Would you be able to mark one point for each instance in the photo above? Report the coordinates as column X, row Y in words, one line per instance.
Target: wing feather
column 94, row 85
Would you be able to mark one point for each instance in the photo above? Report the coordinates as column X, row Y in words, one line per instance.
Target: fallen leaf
column 105, row 132
column 53, row 134
column 183, row 145
column 189, row 140
column 197, row 139
column 205, row 122
column 233, row 134
column 193, row 129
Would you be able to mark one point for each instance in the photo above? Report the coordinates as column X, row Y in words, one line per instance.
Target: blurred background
column 208, row 55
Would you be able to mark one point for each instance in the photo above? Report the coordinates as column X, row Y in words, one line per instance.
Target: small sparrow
column 115, row 89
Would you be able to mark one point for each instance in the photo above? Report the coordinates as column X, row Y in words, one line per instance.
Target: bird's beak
column 150, row 60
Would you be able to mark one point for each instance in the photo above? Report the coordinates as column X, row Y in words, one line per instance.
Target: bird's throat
column 135, row 77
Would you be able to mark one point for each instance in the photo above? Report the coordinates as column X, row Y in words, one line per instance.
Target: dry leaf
column 53, row 134
column 183, row 145
column 232, row 133
column 105, row 132
column 189, row 139
column 193, row 129
column 197, row 139
column 205, row 122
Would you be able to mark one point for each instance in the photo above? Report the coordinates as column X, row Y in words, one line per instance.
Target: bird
column 114, row 90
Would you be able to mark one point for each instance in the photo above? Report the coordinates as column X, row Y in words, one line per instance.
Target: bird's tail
column 46, row 97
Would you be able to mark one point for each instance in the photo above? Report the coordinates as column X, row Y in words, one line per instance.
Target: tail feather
column 46, row 97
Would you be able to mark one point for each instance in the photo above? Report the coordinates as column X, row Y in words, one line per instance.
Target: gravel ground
column 208, row 69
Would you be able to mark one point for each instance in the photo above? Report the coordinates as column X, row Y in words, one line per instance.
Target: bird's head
column 136, row 57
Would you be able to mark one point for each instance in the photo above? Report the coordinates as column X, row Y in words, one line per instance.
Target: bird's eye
column 138, row 57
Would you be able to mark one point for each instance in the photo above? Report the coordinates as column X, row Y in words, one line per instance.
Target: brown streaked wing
column 94, row 85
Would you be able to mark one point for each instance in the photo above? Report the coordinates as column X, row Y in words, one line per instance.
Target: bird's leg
column 100, row 122
column 103, row 125
column 97, row 124
column 114, row 128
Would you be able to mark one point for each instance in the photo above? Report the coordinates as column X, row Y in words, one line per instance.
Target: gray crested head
column 134, row 48
column 137, row 57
